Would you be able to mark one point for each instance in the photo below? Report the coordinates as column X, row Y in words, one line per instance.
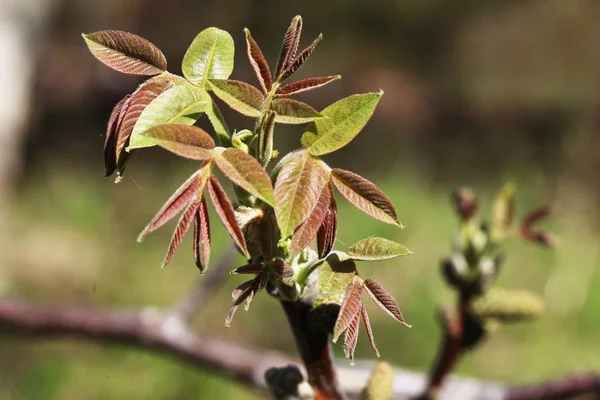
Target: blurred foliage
column 477, row 92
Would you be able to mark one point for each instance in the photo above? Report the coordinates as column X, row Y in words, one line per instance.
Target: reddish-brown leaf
column 176, row 202
column 202, row 236
column 365, row 195
column 259, row 64
column 309, row 228
column 351, row 307
column 328, row 229
column 288, row 111
column 241, row 289
column 290, row 45
column 351, row 338
column 246, row 294
column 529, row 233
column 143, row 96
column 110, row 141
column 182, row 227
column 252, row 268
column 300, row 59
column 184, row 140
column 241, row 96
column 226, row 212
column 281, row 270
column 384, row 300
column 297, row 190
column 126, row 53
column 365, row 318
column 305, row 85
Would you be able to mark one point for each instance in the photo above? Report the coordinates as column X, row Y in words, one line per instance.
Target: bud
column 465, row 203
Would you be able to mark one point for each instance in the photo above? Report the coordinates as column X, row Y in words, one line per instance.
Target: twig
column 168, row 334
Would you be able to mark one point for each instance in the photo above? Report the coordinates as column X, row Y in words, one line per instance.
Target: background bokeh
column 476, row 93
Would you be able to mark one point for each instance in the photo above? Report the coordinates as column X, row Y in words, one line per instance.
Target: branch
column 168, row 334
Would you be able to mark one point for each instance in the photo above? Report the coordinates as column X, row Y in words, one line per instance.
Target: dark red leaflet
column 202, row 236
column 183, row 226
column 110, row 141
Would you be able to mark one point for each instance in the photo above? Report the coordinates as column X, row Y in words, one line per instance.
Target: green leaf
column 290, row 111
column 241, row 96
column 365, row 195
column 345, row 119
column 209, row 56
column 182, row 104
column 126, row 53
column 184, row 140
column 246, row 172
column 335, row 275
column 503, row 212
column 297, row 190
column 376, row 248
column 218, row 122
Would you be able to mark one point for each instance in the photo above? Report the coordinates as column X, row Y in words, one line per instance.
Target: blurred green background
column 476, row 93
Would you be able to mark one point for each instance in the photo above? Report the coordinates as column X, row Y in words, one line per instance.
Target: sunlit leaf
column 259, row 64
column 350, row 309
column 182, row 104
column 367, row 323
column 328, row 231
column 210, row 56
column 245, row 295
column 345, row 119
column 110, row 141
column 351, row 338
column 241, row 289
column 126, row 53
column 182, row 196
column 226, row 212
column 202, row 236
column 335, row 274
column 297, row 190
column 184, row 224
column 242, row 97
column 376, row 248
column 290, row 111
column 365, row 195
column 384, row 300
column 290, row 45
column 299, row 61
column 246, row 172
column 144, row 95
column 184, row 140
column 305, row 85
column 307, row 231
column 503, row 211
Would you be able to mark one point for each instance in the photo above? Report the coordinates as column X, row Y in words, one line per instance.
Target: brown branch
column 168, row 334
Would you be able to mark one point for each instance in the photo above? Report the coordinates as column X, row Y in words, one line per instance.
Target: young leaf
column 288, row 111
column 227, row 214
column 242, row 97
column 253, row 268
column 140, row 99
column 503, row 211
column 365, row 195
column 300, row 60
column 182, row 104
column 246, row 172
column 202, row 236
column 376, row 248
column 110, row 141
column 305, row 85
column 182, row 227
column 328, row 230
column 345, row 119
column 184, row 140
column 351, row 338
column 350, row 309
column 290, row 45
column 210, row 56
column 175, row 204
column 246, row 295
column 367, row 323
column 259, row 64
column 297, row 190
column 309, row 228
column 237, row 292
column 126, row 53
column 281, row 270
column 384, row 300
column 335, row 274
column 529, row 233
